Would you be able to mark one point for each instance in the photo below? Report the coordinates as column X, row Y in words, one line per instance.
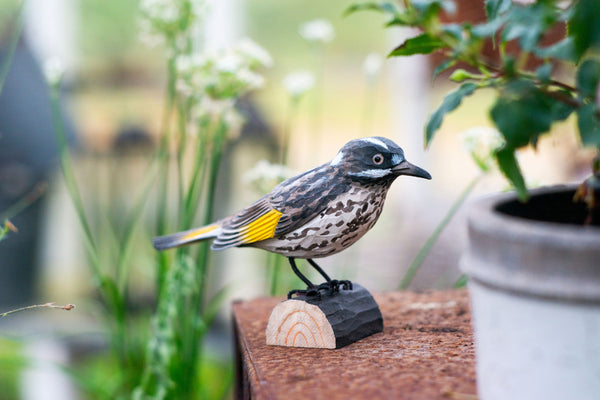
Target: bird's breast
column 343, row 221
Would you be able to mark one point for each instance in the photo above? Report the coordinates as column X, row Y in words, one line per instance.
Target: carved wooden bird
column 315, row 214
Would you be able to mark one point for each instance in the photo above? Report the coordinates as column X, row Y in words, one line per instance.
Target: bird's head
column 373, row 159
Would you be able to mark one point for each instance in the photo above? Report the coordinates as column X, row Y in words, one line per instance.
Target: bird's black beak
column 406, row 168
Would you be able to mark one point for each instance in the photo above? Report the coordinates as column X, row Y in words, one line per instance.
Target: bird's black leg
column 298, row 273
column 331, row 285
column 319, row 269
column 311, row 289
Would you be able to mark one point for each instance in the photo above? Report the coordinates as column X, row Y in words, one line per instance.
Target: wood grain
column 330, row 321
column 296, row 323
column 424, row 352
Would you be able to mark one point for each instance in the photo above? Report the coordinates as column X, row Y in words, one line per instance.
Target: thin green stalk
column 163, row 185
column 461, row 281
column 66, row 165
column 12, row 45
column 125, row 245
column 273, row 268
column 106, row 286
column 198, row 307
column 24, row 202
column 424, row 251
column 274, row 260
column 209, row 201
column 193, row 194
column 182, row 113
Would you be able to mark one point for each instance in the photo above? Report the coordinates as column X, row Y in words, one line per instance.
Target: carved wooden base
column 330, row 322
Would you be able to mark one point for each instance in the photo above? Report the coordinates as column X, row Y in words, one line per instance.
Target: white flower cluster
column 227, row 74
column 297, row 83
column 265, row 176
column 167, row 19
column 482, row 143
column 318, row 30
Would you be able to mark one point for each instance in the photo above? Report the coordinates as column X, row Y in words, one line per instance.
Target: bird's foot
column 328, row 288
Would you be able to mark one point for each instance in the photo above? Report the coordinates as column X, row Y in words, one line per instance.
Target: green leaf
column 584, row 26
column 429, row 7
column 493, row 8
column 384, row 7
column 455, row 30
column 510, row 168
column 544, row 72
column 588, row 76
column 401, row 19
column 529, row 23
column 589, row 125
column 523, row 112
column 562, row 50
column 489, row 29
column 422, row 44
column 444, row 65
column 450, row 103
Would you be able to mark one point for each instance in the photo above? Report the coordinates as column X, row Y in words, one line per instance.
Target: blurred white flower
column 54, row 70
column 298, row 83
column 254, row 53
column 229, row 62
column 264, row 176
column 225, row 74
column 166, row 11
column 317, row 30
column 223, row 110
column 169, row 19
column 250, row 78
column 372, row 65
column 482, row 143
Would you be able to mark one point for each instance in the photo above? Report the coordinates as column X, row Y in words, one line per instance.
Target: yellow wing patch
column 198, row 232
column 263, row 228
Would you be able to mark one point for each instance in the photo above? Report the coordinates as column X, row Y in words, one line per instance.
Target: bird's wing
column 254, row 223
column 290, row 205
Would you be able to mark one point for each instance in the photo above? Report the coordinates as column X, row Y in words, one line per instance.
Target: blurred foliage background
column 114, row 94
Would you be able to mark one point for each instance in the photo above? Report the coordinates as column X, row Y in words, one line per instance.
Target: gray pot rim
column 536, row 258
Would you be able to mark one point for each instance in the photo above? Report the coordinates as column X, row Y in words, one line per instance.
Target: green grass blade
column 422, row 254
column 13, row 41
column 69, row 177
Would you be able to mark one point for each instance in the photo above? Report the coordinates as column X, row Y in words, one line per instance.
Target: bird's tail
column 186, row 237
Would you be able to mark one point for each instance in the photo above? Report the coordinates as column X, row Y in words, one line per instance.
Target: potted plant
column 533, row 261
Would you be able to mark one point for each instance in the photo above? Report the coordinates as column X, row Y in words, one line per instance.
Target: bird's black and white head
column 374, row 159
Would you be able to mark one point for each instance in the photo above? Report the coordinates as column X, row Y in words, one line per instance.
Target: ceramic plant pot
column 534, row 282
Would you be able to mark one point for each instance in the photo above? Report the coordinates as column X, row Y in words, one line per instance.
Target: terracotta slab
column 425, row 352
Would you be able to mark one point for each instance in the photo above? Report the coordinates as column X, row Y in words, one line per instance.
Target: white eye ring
column 378, row 159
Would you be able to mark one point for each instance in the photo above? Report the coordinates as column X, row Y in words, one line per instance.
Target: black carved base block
column 329, row 321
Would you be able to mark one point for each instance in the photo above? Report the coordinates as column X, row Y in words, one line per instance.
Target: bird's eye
column 377, row 159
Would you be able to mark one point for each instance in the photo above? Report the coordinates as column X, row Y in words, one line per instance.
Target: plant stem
column 432, row 239
column 66, row 307
column 12, row 45
column 24, row 202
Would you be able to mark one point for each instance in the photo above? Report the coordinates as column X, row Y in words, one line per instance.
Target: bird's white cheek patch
column 372, row 173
